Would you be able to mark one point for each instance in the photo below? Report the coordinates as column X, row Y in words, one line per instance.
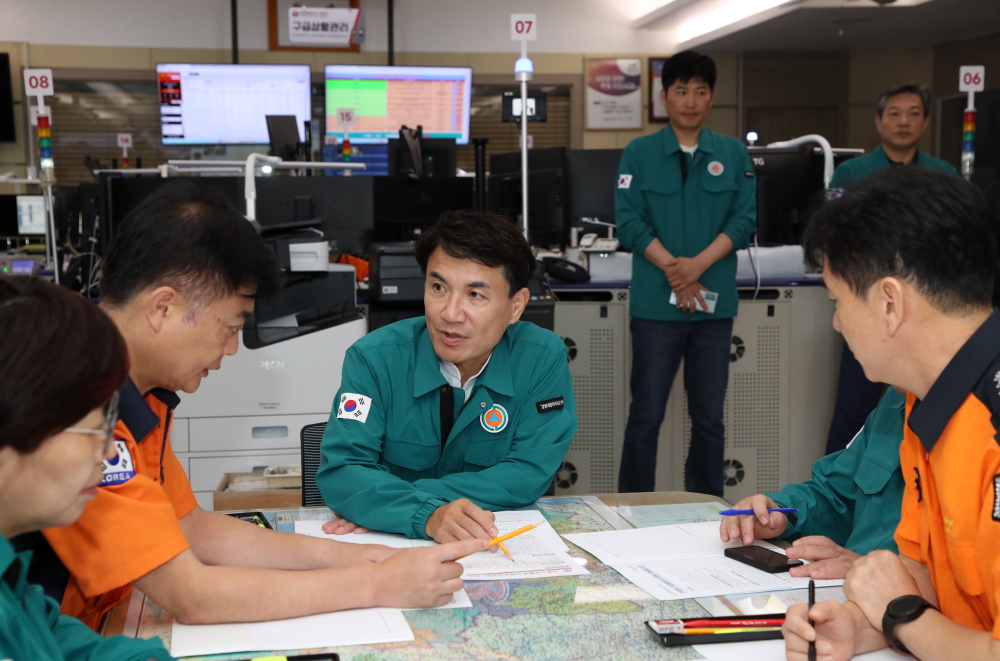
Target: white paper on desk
column 774, row 650
column 532, row 559
column 353, row 627
column 707, row 576
column 509, row 521
column 647, row 516
column 763, row 603
column 315, row 529
column 458, row 600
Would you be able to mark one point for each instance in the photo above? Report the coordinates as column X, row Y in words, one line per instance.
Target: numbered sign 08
column 38, row 82
column 523, row 27
column 971, row 79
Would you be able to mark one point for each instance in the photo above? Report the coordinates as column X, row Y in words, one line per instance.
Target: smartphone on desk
column 763, row 559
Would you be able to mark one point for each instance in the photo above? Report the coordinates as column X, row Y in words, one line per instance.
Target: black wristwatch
column 900, row 611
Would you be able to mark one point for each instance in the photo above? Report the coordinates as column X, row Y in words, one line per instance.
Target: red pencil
column 676, row 626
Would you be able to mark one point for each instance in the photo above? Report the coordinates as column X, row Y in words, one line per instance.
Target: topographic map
column 600, row 616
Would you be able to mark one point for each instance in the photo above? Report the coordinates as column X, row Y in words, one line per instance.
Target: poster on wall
column 657, row 113
column 614, row 93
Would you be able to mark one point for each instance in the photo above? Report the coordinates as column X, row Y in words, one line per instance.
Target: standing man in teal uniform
column 686, row 201
column 902, row 117
column 442, row 418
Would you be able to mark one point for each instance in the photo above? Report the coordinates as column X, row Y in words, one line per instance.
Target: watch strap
column 890, row 620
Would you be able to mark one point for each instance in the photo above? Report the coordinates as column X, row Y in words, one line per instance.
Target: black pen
column 812, row 602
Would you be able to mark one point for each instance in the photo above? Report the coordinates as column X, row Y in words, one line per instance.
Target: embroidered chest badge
column 118, row 469
column 715, row 168
column 494, row 419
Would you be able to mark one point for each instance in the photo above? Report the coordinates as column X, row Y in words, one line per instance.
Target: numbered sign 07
column 971, row 79
column 38, row 82
column 523, row 27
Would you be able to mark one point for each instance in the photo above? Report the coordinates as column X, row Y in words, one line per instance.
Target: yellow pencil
column 504, row 538
column 505, row 551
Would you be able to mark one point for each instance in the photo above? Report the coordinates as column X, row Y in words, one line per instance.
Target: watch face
column 905, row 605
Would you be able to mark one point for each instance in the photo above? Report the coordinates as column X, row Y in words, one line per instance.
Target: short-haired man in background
column 685, row 203
column 441, row 418
column 179, row 280
column 902, row 116
column 908, row 258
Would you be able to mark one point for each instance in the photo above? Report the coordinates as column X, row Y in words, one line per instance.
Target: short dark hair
column 61, row 357
column 192, row 238
column 923, row 225
column 687, row 65
column 488, row 238
column 906, row 88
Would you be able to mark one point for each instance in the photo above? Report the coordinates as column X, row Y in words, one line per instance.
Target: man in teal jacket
column 849, row 508
column 902, row 116
column 442, row 418
column 685, row 202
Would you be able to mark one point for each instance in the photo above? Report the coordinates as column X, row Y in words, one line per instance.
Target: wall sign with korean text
column 614, row 93
column 323, row 26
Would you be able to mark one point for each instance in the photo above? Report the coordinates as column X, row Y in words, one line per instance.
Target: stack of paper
column 683, row 561
column 540, row 552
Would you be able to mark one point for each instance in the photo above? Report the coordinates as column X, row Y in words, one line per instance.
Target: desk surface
column 599, row 616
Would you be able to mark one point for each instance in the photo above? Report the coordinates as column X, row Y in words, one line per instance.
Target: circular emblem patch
column 350, row 405
column 715, row 168
column 494, row 420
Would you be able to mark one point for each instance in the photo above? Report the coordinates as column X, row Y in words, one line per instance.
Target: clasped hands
column 682, row 274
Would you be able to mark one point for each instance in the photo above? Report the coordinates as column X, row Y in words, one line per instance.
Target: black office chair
column 311, row 439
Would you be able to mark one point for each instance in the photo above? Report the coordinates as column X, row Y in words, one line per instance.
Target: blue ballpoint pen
column 783, row 510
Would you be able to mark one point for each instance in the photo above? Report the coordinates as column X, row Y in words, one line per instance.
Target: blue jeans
column 857, row 397
column 657, row 349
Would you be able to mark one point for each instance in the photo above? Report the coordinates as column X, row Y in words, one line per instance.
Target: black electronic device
column 8, row 216
column 403, row 207
column 761, row 558
column 550, row 158
column 438, row 157
column 510, row 106
column 343, row 204
column 283, row 131
column 546, row 213
column 394, row 276
column 541, row 307
column 7, row 131
column 563, row 269
column 789, row 188
column 591, row 176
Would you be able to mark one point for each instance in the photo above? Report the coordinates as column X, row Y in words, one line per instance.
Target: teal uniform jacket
column 31, row 626
column 653, row 201
column 853, row 170
column 389, row 472
column 855, row 496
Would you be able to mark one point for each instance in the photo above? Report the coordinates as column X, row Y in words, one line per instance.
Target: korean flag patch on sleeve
column 353, row 406
column 624, row 180
column 118, row 469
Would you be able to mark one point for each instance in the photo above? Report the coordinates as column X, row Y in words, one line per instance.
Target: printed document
column 646, row 516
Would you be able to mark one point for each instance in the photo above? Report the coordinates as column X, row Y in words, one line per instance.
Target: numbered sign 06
column 971, row 79
column 523, row 27
column 38, row 82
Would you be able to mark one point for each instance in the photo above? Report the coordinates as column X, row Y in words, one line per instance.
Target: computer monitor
column 789, row 188
column 546, row 208
column 591, row 176
column 7, row 133
column 8, row 216
column 385, row 98
column 226, row 104
column 30, row 215
column 440, row 159
column 403, row 206
column 284, row 135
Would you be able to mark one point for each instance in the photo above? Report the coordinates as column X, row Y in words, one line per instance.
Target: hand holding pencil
column 503, row 538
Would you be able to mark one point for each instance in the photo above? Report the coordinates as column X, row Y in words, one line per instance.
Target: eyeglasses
column 110, row 421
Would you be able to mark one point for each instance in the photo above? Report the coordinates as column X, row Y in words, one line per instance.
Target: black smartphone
column 256, row 518
column 763, row 559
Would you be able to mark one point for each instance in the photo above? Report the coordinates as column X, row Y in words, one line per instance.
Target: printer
column 284, row 376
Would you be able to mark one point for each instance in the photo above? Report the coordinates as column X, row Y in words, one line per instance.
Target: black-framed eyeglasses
column 110, row 421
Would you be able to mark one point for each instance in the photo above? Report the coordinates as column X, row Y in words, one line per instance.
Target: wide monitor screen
column 30, row 214
column 226, row 104
column 386, row 98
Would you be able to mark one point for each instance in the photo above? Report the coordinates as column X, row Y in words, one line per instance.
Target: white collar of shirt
column 454, row 378
column 689, row 150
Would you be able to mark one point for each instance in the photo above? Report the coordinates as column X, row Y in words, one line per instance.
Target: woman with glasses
column 61, row 363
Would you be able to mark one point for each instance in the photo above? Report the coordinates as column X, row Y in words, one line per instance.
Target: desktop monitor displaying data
column 386, row 98
column 227, row 104
column 30, row 215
